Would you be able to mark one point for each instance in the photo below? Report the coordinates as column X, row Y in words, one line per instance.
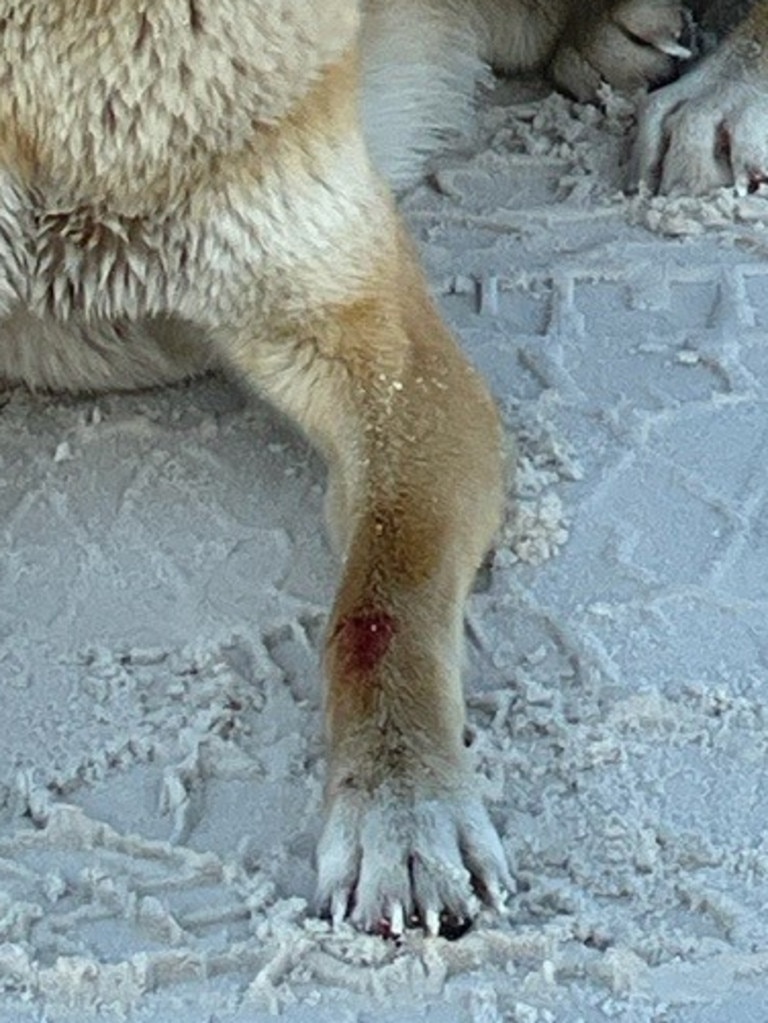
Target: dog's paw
column 633, row 46
column 390, row 859
column 706, row 131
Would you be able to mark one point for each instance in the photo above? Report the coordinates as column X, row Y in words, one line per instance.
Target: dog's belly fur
column 109, row 100
column 179, row 143
column 169, row 111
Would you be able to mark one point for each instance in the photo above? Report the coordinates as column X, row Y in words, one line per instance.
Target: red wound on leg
column 364, row 639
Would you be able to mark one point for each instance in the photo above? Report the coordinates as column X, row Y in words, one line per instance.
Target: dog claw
column 432, row 923
column 338, row 909
column 397, row 921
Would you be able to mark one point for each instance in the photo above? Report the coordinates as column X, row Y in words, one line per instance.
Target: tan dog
column 186, row 183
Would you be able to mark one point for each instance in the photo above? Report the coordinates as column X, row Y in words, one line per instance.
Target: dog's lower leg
column 413, row 445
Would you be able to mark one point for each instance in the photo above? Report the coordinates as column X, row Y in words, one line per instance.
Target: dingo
column 186, row 182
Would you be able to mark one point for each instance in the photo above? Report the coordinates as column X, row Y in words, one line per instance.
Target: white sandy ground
column 163, row 586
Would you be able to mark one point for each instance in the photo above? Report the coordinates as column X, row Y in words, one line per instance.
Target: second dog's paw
column 633, row 46
column 706, row 131
column 392, row 858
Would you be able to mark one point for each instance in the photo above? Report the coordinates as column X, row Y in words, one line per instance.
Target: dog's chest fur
column 98, row 96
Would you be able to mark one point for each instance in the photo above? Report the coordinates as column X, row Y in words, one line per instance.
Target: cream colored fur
column 187, row 183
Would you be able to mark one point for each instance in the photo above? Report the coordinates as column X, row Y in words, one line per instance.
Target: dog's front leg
column 419, row 494
column 413, row 444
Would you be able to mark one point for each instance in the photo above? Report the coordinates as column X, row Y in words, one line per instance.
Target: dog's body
column 187, row 183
